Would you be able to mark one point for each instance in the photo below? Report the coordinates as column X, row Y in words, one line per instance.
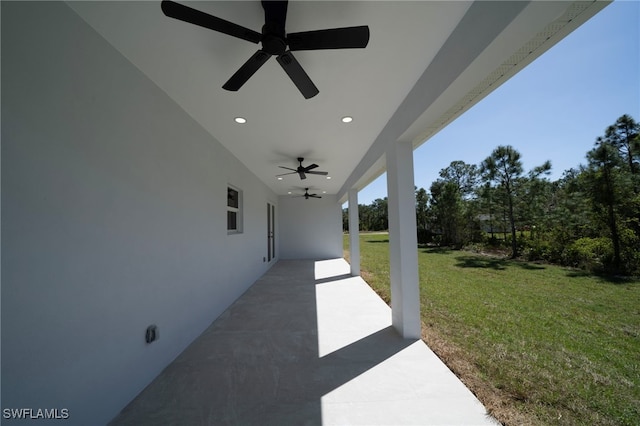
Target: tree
column 422, row 216
column 489, row 206
column 345, row 220
column 504, row 167
column 447, row 210
column 625, row 136
column 533, row 193
column 569, row 217
column 380, row 216
column 365, row 217
column 451, row 203
column 374, row 217
column 612, row 195
column 422, row 200
column 464, row 176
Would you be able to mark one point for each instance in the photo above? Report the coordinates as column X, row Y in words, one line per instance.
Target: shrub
column 425, row 236
column 538, row 250
column 630, row 255
column 593, row 254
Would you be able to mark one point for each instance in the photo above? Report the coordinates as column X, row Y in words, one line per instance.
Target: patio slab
column 307, row 344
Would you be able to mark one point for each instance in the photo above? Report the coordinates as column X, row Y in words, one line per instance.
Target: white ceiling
column 406, row 84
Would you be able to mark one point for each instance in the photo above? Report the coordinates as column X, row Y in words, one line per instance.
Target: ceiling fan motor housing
column 273, row 38
column 273, row 45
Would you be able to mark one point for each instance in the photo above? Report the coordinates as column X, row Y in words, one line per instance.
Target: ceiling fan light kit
column 274, row 41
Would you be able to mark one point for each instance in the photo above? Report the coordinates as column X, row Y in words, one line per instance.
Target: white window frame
column 237, row 210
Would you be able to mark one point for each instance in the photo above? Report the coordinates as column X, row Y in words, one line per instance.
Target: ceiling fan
column 274, row 41
column 306, row 195
column 303, row 171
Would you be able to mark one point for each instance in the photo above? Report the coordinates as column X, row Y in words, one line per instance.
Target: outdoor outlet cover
column 151, row 334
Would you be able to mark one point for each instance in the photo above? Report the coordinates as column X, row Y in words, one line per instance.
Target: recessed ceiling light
column 289, row 192
column 279, row 178
column 328, row 177
column 324, row 192
column 347, row 119
column 240, row 120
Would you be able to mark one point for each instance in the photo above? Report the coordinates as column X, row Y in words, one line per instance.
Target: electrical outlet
column 151, row 334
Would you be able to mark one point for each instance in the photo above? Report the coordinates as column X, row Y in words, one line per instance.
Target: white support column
column 403, row 242
column 354, row 233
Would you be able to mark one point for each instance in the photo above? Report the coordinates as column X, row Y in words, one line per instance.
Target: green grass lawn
column 554, row 345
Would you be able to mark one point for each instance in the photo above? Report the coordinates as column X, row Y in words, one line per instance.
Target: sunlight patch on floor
column 347, row 309
column 390, row 380
column 331, row 268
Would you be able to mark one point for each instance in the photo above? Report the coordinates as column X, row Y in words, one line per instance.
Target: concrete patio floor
column 307, row 344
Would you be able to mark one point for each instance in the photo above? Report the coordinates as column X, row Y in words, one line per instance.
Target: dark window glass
column 232, row 223
column 232, row 198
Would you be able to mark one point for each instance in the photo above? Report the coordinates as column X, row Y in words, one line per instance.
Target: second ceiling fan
column 306, row 195
column 275, row 41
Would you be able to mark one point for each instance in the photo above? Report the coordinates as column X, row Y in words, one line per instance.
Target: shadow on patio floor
column 287, row 352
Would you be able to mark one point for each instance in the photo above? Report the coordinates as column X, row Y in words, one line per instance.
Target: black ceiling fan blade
column 302, row 175
column 318, row 173
column 313, row 166
column 314, row 196
column 299, row 77
column 246, row 71
column 288, row 168
column 336, row 38
column 196, row 17
column 284, row 174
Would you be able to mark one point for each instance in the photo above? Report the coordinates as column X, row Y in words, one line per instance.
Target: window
column 234, row 210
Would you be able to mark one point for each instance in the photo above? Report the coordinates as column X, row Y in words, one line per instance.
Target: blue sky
column 553, row 109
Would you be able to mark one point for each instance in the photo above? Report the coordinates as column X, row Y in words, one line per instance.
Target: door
column 271, row 241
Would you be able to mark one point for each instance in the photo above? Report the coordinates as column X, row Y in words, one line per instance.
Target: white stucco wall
column 310, row 229
column 114, row 218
